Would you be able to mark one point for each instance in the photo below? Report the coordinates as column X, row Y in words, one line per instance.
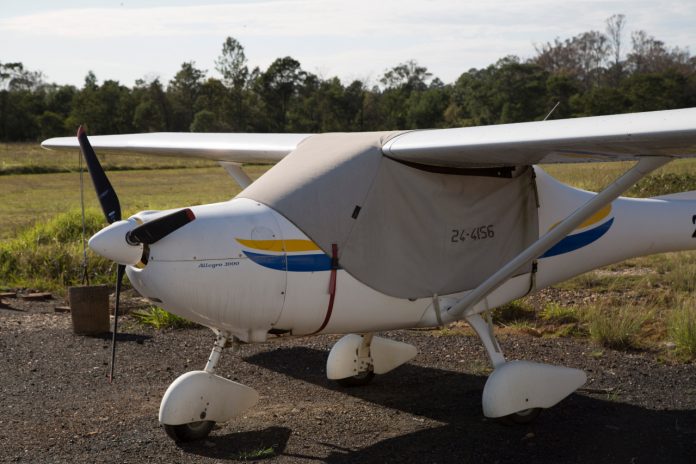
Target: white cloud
column 354, row 38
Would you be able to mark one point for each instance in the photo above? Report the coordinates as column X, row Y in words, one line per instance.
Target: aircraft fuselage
column 244, row 268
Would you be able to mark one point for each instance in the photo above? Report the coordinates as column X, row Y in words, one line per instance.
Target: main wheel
column 359, row 380
column 189, row 432
column 523, row 417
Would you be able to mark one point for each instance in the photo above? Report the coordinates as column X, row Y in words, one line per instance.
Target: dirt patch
column 58, row 407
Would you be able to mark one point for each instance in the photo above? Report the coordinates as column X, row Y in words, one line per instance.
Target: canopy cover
column 405, row 231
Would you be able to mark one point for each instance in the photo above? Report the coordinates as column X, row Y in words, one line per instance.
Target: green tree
column 650, row 55
column 231, row 64
column 669, row 89
column 339, row 108
column 214, row 97
column 599, row 101
column 58, row 98
column 562, row 89
column 151, row 113
column 205, row 121
column 277, row 86
column 147, row 117
column 408, row 76
column 584, row 57
column 400, row 82
column 426, row 109
column 52, row 125
column 106, row 109
column 508, row 91
column 182, row 94
column 20, row 102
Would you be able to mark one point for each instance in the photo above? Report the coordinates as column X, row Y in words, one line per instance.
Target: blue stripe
column 309, row 263
column 276, row 262
column 295, row 263
column 574, row 242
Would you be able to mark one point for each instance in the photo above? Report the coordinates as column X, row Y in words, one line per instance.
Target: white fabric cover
column 413, row 235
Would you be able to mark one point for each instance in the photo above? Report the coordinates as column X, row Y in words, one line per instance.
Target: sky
column 126, row 40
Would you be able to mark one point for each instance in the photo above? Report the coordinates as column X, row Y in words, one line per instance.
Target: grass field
column 677, row 176
column 27, row 158
column 161, row 182
column 36, row 184
column 627, row 305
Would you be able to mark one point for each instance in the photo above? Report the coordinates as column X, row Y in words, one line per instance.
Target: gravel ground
column 58, row 407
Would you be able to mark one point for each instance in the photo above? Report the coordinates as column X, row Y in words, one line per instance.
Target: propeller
column 112, row 211
column 157, row 229
column 123, row 241
column 105, row 192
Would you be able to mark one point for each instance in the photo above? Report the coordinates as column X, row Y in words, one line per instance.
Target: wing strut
column 236, row 171
column 467, row 305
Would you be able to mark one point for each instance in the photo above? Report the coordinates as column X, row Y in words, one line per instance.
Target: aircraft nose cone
column 110, row 242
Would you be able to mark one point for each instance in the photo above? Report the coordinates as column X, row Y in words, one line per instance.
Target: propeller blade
column 119, row 278
column 105, row 192
column 157, row 229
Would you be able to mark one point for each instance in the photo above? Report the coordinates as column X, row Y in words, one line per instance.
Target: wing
column 601, row 138
column 240, row 148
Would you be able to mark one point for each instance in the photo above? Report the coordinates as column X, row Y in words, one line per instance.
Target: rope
column 85, row 274
column 332, row 287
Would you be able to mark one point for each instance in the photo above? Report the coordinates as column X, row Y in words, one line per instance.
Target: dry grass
column 677, row 176
column 560, row 314
column 516, row 312
column 616, row 327
column 682, row 326
column 158, row 318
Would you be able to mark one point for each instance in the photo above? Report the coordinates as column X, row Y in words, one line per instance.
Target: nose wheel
column 197, row 400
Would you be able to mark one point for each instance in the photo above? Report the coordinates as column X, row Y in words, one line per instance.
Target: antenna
column 552, row 110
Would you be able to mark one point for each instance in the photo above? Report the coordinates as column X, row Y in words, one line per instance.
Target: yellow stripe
column 595, row 218
column 280, row 245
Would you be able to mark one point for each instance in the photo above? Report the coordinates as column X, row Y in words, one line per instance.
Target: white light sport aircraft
column 366, row 232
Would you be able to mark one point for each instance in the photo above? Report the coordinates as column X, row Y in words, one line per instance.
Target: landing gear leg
column 364, row 366
column 484, row 329
column 355, row 359
column 195, row 401
column 516, row 391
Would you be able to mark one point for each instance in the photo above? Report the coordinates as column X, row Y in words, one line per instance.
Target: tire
column 189, row 432
column 359, row 380
column 523, row 417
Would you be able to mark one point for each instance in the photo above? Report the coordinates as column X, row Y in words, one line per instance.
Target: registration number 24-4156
column 475, row 233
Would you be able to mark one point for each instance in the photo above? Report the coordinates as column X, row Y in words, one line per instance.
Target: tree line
column 592, row 73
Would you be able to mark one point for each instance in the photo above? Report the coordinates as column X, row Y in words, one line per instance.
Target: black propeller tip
column 105, row 192
column 157, row 229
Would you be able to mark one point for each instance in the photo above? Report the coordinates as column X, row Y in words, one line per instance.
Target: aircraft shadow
column 580, row 429
column 243, row 446
column 123, row 337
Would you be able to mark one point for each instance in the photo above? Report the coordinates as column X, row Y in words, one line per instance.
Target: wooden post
column 89, row 307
